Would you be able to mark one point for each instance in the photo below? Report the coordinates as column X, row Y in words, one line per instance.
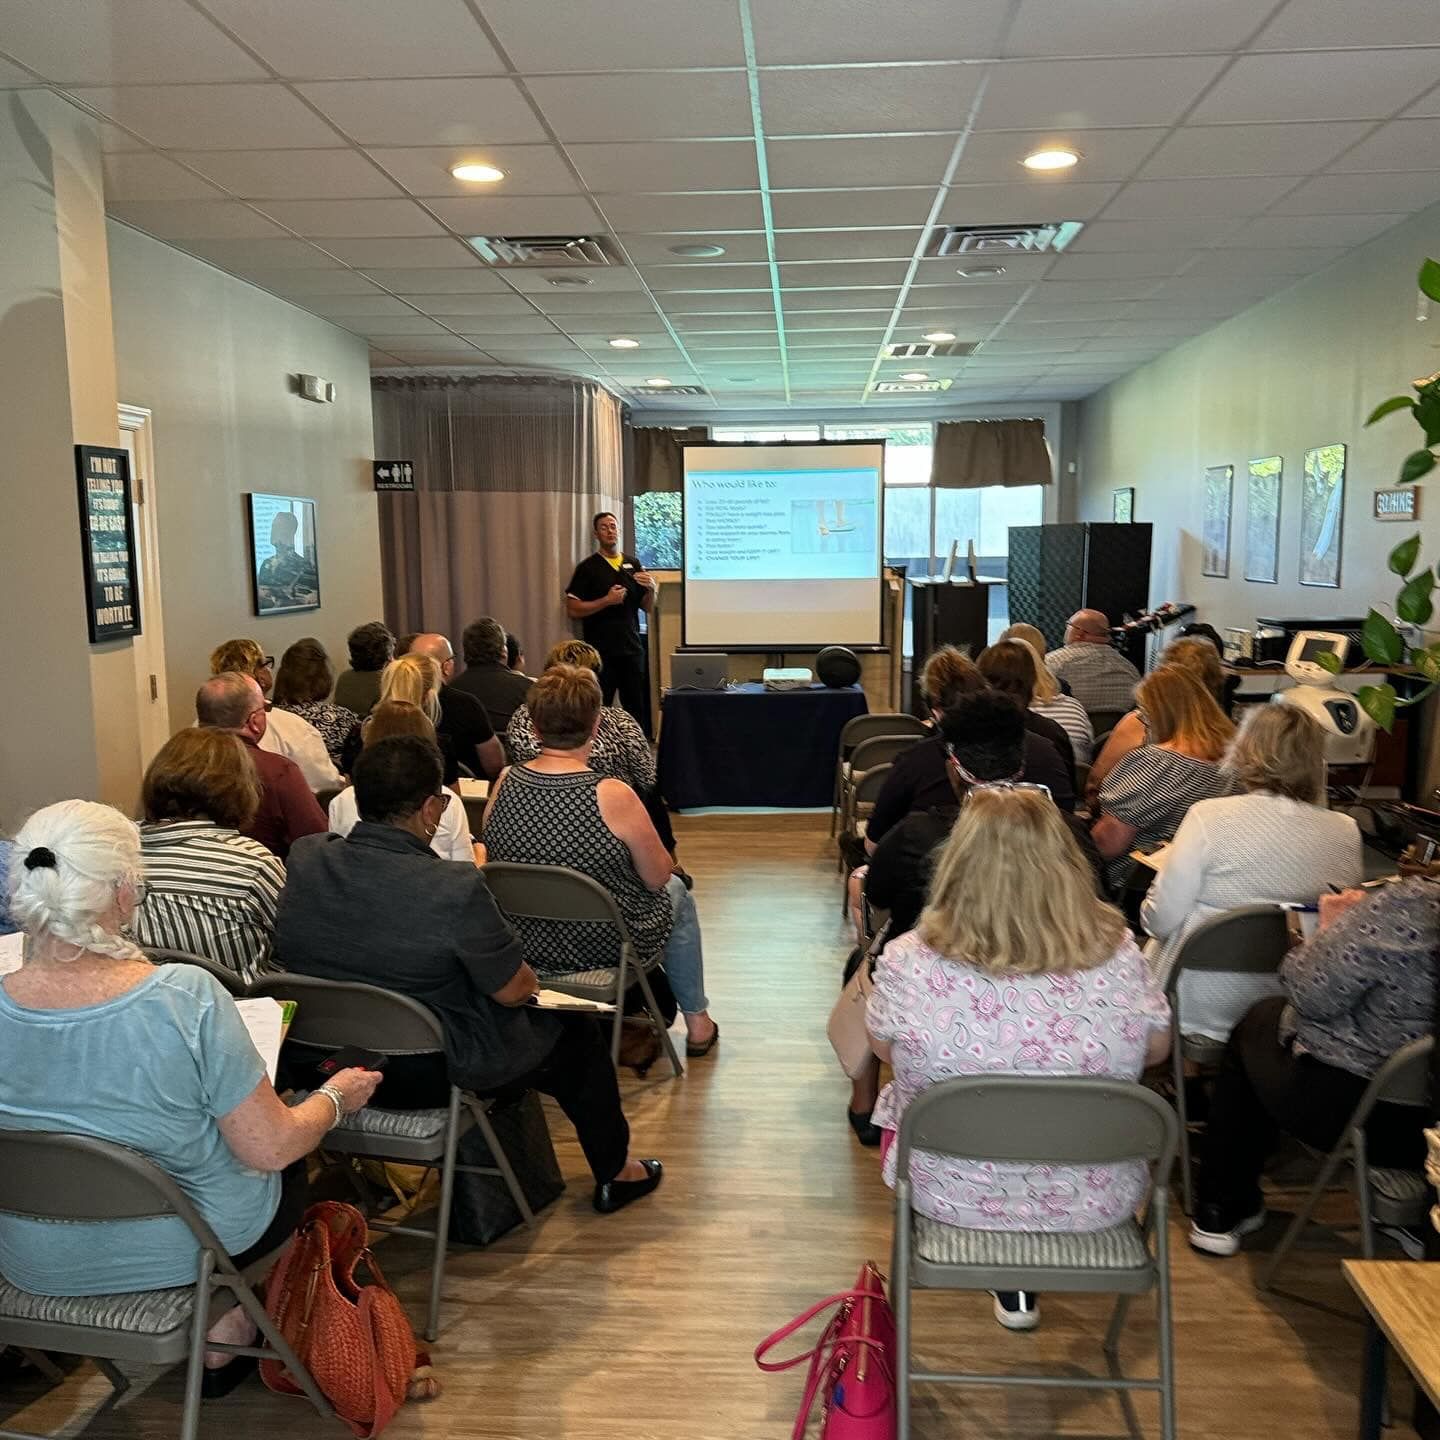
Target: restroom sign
column 394, row 475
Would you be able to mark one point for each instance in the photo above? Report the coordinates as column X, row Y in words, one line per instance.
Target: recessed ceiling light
column 741, row 379
column 1053, row 159
column 697, row 252
column 939, row 337
column 476, row 174
column 658, row 383
column 914, row 375
column 980, row 272
column 624, row 342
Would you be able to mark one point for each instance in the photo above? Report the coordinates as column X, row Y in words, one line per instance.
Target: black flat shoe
column 615, row 1195
column 867, row 1133
column 695, row 1052
column 686, row 877
column 220, row 1382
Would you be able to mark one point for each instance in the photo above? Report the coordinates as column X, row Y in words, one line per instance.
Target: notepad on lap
column 554, row 1000
column 474, row 789
column 267, row 1022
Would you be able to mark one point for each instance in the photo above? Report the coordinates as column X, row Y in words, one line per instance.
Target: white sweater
column 1255, row 849
column 450, row 842
column 297, row 739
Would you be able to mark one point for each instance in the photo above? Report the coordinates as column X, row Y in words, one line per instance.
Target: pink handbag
column 852, row 1363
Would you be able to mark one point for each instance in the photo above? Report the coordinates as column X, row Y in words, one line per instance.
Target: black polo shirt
column 614, row 630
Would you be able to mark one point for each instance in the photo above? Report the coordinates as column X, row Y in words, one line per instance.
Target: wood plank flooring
column 641, row 1326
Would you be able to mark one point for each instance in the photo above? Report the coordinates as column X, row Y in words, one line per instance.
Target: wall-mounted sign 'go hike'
column 107, row 537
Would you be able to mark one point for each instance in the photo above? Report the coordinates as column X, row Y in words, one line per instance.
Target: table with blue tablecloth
column 749, row 746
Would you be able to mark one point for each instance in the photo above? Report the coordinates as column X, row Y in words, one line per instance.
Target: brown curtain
column 970, row 454
column 508, row 473
column 657, row 461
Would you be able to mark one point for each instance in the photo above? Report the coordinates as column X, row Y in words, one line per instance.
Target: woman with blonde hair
column 1145, row 797
column 1273, row 844
column 415, row 679
column 1033, row 978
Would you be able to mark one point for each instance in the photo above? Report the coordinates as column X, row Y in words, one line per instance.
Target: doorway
column 136, row 437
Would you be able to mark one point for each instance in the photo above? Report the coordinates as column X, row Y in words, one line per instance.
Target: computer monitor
column 1302, row 662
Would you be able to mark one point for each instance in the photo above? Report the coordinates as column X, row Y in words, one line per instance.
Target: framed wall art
column 283, row 563
column 1262, row 520
column 1215, row 532
column 1322, row 515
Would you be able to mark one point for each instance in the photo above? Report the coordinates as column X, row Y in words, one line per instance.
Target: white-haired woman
column 98, row 1041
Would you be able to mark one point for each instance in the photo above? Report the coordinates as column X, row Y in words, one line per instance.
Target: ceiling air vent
column 667, row 390
column 927, row 350
column 517, row 251
column 1004, row 239
column 909, row 387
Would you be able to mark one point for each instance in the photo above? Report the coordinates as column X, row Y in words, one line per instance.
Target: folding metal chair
column 1039, row 1121
column 70, row 1178
column 1102, row 722
column 552, row 892
column 232, row 982
column 331, row 1014
column 1249, row 940
column 867, row 727
column 1384, row 1196
column 862, row 794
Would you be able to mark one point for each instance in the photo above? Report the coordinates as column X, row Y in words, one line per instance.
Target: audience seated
column 1197, row 656
column 1009, row 667
column 302, row 687
column 1049, row 700
column 451, row 840
column 1297, row 1064
column 919, row 778
column 209, row 890
column 404, row 642
column 515, row 655
column 1272, row 844
column 1147, row 795
column 414, row 679
column 233, row 702
column 379, row 907
column 1039, row 978
column 464, row 726
column 1098, row 675
column 285, row 734
column 97, row 1041
column 557, row 810
column 372, row 648
column 488, row 675
column 7, row 923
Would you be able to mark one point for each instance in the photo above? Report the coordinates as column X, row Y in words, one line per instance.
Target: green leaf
column 1417, row 463
column 1328, row 660
column 1389, row 407
column 1430, row 279
column 1427, row 415
column 1404, row 555
column 1381, row 640
column 1427, row 662
column 1413, row 602
column 1378, row 702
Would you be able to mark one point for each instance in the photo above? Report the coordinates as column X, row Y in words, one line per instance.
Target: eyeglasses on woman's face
column 444, row 797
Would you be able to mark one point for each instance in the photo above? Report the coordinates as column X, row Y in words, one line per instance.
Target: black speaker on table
column 837, row 667
column 1056, row 570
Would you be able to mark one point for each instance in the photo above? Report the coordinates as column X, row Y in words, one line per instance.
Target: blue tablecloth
column 752, row 746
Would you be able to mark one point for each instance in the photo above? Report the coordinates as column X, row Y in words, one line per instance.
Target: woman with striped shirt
column 208, row 890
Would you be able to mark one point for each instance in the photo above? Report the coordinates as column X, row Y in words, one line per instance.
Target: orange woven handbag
column 354, row 1339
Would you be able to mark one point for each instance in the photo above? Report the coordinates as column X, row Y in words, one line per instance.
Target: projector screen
column 782, row 545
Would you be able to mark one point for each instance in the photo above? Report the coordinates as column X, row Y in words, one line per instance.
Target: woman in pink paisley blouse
column 1015, row 967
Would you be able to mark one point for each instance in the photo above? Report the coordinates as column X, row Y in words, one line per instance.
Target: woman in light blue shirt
column 98, row 1041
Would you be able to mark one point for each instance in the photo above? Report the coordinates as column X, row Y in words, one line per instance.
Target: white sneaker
column 1016, row 1309
column 1221, row 1242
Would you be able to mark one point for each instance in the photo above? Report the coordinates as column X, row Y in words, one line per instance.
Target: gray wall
column 1302, row 369
column 212, row 357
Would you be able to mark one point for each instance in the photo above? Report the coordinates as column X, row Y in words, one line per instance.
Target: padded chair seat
column 1203, row 1049
column 1401, row 1187
column 150, row 1312
column 1122, row 1247
column 396, row 1124
column 595, row 979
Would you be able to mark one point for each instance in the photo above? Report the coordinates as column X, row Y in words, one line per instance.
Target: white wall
column 1301, row 369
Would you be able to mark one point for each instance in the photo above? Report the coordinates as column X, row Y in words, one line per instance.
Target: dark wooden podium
column 948, row 612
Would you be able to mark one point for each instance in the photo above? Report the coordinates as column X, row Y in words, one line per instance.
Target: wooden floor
column 641, row 1326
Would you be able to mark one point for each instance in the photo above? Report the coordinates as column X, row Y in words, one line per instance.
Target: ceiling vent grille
column 1004, row 239
column 667, row 390
column 928, row 350
column 513, row 252
column 909, row 387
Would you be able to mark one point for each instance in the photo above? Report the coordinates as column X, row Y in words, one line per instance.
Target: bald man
column 234, row 702
column 464, row 721
column 1098, row 675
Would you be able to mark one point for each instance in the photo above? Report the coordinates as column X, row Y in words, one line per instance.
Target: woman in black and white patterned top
column 1147, row 795
column 302, row 686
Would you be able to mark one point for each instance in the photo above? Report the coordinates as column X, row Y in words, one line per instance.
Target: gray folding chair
column 331, row 1014
column 552, row 892
column 860, row 796
column 232, row 982
column 1039, row 1121
column 70, row 1178
column 1384, row 1196
column 1102, row 722
column 1249, row 940
column 866, row 727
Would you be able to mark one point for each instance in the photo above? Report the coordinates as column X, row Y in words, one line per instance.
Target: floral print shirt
column 944, row 1018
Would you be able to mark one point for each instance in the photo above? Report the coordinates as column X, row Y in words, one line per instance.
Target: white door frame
column 149, row 646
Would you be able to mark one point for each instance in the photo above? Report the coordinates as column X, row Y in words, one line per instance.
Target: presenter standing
column 606, row 593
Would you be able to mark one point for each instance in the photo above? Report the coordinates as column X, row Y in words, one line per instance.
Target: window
column 731, row 436
column 656, row 520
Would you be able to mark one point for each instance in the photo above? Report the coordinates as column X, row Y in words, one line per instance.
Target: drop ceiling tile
column 813, row 209
column 1400, row 145
column 636, row 34
column 1137, row 288
column 469, row 322
column 407, row 323
column 14, row 76
column 320, row 218
column 1252, row 149
column 418, row 253
column 692, row 214
column 720, row 303
column 1286, row 231
column 459, row 353
column 1129, row 27
column 211, row 117
column 427, row 112
column 804, row 245
column 1228, row 198
column 941, row 270
column 424, row 170
column 668, row 165
column 304, row 285
column 291, row 174
column 802, row 275
column 1004, row 346
column 1232, row 261
column 803, row 341
column 708, row 360
column 787, row 33
column 836, row 356
column 541, row 282
column 261, row 257
column 195, row 219
column 669, row 106
column 1428, row 104
column 120, row 42
column 691, row 324
column 1363, row 194
column 1024, row 202
column 994, row 156
column 1322, row 85
column 1019, row 329
column 855, row 300
column 681, row 278
column 1151, row 234
column 655, row 248
column 324, row 39
column 524, row 215
column 360, row 307
column 867, row 99
column 1102, row 265
column 1321, row 25
column 971, row 294
column 583, row 333
column 866, row 160
column 144, row 175
column 647, row 326
column 589, row 302
column 1093, row 94
column 1039, row 309
column 463, row 279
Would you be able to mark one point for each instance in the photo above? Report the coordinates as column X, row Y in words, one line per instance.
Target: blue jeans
column 684, row 958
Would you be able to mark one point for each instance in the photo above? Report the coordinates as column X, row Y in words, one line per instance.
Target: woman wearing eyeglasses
column 1016, row 967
